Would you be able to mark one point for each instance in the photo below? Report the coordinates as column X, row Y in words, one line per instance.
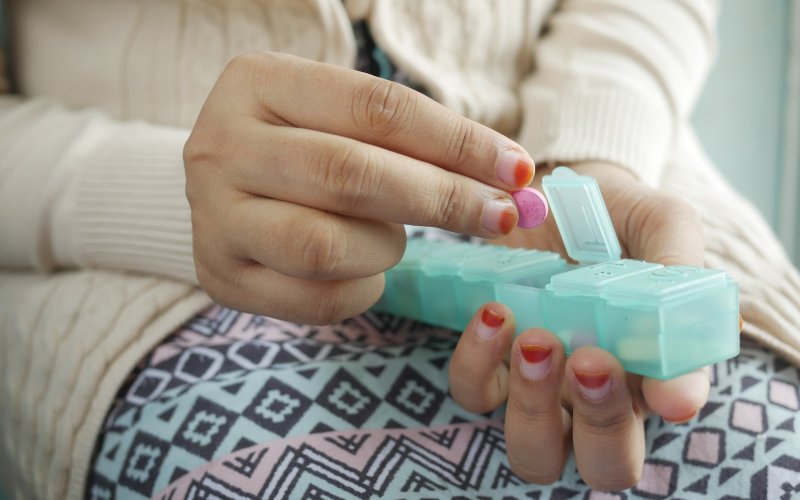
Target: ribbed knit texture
column 68, row 342
column 564, row 125
column 130, row 210
column 739, row 241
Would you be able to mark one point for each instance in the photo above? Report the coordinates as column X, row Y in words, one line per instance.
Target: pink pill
column 532, row 206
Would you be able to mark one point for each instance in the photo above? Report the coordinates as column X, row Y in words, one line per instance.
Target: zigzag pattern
column 277, row 433
column 390, row 460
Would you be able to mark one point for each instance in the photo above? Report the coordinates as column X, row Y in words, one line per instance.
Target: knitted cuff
column 126, row 207
column 583, row 122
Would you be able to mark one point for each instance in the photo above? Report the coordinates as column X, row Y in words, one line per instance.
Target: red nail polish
column 491, row 318
column 534, row 353
column 592, row 380
column 523, row 173
column 508, row 219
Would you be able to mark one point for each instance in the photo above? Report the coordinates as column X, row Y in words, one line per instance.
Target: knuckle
column 328, row 307
column 464, row 142
column 381, row 107
column 323, row 250
column 217, row 287
column 200, row 173
column 352, row 176
column 204, row 277
column 676, row 206
column 257, row 75
column 244, row 69
column 248, row 62
column 686, row 212
column 190, row 150
column 531, row 415
column 448, row 205
column 197, row 149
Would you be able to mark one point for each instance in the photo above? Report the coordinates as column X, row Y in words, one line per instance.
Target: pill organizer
column 659, row 321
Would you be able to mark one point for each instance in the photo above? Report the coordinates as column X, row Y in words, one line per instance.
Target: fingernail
column 593, row 386
column 681, row 420
column 499, row 216
column 535, row 360
column 489, row 324
column 514, row 169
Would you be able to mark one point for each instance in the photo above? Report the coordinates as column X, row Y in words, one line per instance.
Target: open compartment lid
column 581, row 216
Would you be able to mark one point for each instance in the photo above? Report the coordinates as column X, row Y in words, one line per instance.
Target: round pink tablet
column 532, row 206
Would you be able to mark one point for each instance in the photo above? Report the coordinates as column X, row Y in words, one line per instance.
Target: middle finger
column 537, row 427
column 348, row 177
column 608, row 433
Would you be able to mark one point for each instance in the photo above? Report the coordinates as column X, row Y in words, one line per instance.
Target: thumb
column 664, row 229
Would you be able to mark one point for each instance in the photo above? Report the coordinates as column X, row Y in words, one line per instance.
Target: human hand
column 300, row 174
column 586, row 401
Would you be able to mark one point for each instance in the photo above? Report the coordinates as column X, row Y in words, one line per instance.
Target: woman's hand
column 586, row 401
column 300, row 174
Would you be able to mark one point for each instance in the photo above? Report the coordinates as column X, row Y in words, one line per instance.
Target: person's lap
column 245, row 407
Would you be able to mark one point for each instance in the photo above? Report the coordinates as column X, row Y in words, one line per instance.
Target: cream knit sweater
column 91, row 177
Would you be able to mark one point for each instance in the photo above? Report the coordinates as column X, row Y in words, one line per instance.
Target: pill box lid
column 448, row 260
column 666, row 283
column 508, row 264
column 581, row 216
column 419, row 250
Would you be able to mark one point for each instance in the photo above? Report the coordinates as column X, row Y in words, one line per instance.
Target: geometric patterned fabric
column 241, row 406
column 236, row 406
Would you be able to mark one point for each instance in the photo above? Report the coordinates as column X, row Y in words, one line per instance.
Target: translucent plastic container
column 439, row 300
column 658, row 321
column 574, row 310
column 692, row 310
column 480, row 277
column 403, row 290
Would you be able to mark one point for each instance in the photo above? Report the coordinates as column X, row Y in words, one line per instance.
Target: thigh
column 246, row 405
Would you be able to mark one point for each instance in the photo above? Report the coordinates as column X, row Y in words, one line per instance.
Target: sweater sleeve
column 79, row 189
column 615, row 78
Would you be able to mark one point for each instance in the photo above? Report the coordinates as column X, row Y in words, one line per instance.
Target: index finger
column 340, row 101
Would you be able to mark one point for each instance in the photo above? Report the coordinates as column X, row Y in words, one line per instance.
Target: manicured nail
column 499, row 216
column 593, row 386
column 681, row 420
column 514, row 168
column 535, row 360
column 489, row 324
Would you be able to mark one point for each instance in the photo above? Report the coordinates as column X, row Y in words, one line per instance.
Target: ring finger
column 306, row 243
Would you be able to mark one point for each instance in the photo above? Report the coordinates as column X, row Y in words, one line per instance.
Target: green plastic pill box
column 658, row 321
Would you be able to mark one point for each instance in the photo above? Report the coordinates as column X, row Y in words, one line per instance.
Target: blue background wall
column 742, row 112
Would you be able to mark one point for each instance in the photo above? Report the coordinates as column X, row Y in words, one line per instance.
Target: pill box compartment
column 573, row 307
column 440, row 279
column 672, row 320
column 402, row 292
column 482, row 277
